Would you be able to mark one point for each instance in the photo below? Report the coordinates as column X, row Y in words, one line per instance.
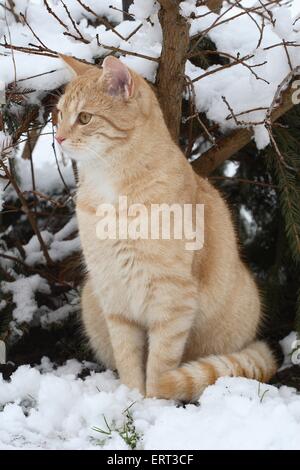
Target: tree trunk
column 170, row 76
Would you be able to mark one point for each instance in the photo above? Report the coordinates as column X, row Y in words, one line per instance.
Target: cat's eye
column 84, row 118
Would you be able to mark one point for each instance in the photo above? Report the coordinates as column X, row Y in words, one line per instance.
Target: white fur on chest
column 99, row 184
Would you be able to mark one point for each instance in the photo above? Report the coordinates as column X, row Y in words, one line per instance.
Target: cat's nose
column 60, row 139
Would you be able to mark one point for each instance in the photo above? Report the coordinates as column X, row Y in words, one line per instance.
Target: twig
column 102, row 20
column 34, row 34
column 11, row 48
column 285, row 45
column 57, row 164
column 29, row 50
column 81, row 39
column 134, row 32
column 123, row 51
column 45, row 274
column 72, row 21
column 32, row 167
column 11, row 9
column 242, row 180
column 236, row 120
column 236, row 61
column 131, row 15
column 49, row 9
column 36, row 76
column 47, row 198
column 28, row 212
column 195, row 114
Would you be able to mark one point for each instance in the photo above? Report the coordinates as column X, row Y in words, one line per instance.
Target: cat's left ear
column 76, row 66
column 117, row 78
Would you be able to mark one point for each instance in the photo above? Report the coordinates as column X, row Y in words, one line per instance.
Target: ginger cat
column 170, row 320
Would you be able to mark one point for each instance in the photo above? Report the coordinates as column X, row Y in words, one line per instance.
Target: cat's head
column 101, row 108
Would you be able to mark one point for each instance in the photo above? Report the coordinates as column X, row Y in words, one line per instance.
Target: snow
column 5, row 145
column 52, row 408
column 23, row 294
column 58, row 247
column 62, row 244
column 231, row 169
column 59, row 315
column 47, row 178
column 291, row 347
column 4, row 140
column 242, row 89
column 67, row 230
column 2, row 352
column 143, row 9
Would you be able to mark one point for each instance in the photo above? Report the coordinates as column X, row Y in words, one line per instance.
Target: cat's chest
column 104, row 252
column 98, row 185
column 103, row 190
column 115, row 267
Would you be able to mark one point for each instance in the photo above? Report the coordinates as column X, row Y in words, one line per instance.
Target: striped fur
column 170, row 320
column 188, row 381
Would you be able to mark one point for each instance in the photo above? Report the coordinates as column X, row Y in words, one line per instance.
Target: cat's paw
column 151, row 389
column 151, row 392
column 141, row 390
column 135, row 385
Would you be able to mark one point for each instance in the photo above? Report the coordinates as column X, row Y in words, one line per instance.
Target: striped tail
column 186, row 383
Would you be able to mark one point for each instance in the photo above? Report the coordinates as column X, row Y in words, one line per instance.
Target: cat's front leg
column 128, row 342
column 168, row 334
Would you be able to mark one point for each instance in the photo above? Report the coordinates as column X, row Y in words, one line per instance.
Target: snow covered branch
column 235, row 141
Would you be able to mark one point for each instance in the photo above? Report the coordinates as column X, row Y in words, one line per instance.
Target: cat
column 170, row 320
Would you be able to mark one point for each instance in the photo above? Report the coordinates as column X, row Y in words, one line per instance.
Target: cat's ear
column 76, row 67
column 117, row 78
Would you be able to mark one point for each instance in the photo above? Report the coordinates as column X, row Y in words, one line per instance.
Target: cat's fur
column 170, row 320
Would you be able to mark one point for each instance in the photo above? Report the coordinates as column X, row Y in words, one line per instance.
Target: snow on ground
column 48, row 408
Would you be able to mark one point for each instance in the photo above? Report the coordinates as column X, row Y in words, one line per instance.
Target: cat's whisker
column 95, row 153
